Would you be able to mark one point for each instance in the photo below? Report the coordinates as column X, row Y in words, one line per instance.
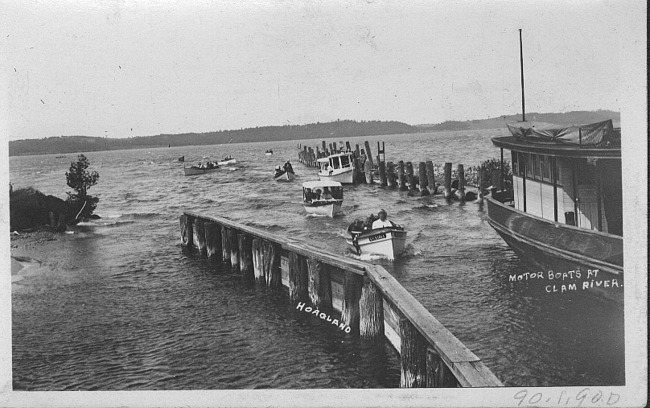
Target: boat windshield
column 345, row 161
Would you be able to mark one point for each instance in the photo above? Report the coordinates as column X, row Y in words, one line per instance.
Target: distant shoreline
column 338, row 130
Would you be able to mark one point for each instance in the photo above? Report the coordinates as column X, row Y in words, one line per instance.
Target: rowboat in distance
column 322, row 197
column 227, row 161
column 269, row 152
column 200, row 169
column 564, row 211
column 386, row 242
column 337, row 167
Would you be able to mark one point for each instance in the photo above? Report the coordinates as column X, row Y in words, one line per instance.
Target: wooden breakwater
column 422, row 178
column 359, row 298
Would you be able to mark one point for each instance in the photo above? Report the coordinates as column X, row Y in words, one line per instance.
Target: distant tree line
column 340, row 129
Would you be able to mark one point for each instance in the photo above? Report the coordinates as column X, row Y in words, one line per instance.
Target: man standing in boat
column 382, row 222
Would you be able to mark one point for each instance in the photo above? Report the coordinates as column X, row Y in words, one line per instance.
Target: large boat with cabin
column 322, row 197
column 337, row 167
column 564, row 211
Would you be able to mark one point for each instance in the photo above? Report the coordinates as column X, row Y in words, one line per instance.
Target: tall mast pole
column 521, row 59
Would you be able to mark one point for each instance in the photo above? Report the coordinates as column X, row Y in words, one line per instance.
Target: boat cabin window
column 535, row 167
column 335, row 163
column 345, row 161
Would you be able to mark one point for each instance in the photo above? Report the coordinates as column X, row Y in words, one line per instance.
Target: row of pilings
column 359, row 298
column 419, row 179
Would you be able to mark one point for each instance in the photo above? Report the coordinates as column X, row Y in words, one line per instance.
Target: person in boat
column 329, row 169
column 317, row 194
column 278, row 171
column 327, row 195
column 383, row 221
column 288, row 167
column 367, row 225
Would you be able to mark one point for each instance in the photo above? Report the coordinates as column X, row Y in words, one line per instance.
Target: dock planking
column 370, row 301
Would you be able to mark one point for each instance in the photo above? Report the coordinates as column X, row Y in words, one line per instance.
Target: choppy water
column 122, row 307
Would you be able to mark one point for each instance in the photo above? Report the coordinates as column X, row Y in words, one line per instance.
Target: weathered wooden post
column 382, row 174
column 298, row 279
column 461, row 182
column 271, row 264
column 423, row 179
column 412, row 356
column 431, row 177
column 352, row 286
column 357, row 174
column 409, row 176
column 347, row 147
column 367, row 169
column 371, row 311
column 199, row 235
column 481, row 170
column 234, row 249
column 324, row 147
column 319, row 286
column 186, row 231
column 438, row 374
column 447, row 180
column 369, row 153
column 400, row 176
column 213, row 241
column 246, row 256
column 390, row 177
column 258, row 260
column 225, row 244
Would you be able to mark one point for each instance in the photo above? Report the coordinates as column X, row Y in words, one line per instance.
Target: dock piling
column 447, row 180
column 412, row 355
column 246, row 256
column 186, row 231
column 353, row 284
column 431, row 177
column 409, row 177
column 461, row 183
column 199, row 236
column 298, row 278
column 371, row 311
column 401, row 177
column 390, row 177
column 422, row 173
column 213, row 241
column 319, row 284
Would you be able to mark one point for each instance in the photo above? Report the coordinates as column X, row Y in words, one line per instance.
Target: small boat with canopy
column 322, row 197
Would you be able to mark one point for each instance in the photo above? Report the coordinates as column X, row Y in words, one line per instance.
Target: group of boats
column 207, row 167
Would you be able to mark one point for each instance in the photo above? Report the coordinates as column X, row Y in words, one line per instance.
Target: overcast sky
column 139, row 68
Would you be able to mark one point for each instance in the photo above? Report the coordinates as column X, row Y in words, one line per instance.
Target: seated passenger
column 367, row 225
column 382, row 222
column 326, row 194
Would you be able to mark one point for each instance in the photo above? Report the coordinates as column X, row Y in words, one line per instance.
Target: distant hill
column 340, row 129
column 575, row 118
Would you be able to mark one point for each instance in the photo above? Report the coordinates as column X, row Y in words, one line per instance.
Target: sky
column 126, row 68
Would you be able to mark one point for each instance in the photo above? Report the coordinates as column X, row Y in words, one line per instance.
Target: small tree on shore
column 80, row 179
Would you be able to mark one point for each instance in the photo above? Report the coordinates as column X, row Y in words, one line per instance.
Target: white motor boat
column 322, row 197
column 337, row 167
column 387, row 242
column 227, row 161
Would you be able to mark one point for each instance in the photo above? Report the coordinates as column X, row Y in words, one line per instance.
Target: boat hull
column 343, row 177
column 562, row 248
column 287, row 176
column 388, row 243
column 329, row 209
column 227, row 162
column 194, row 171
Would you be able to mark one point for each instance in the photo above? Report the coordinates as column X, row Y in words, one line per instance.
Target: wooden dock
column 419, row 179
column 359, row 298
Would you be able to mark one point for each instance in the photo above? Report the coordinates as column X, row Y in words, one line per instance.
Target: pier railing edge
column 467, row 369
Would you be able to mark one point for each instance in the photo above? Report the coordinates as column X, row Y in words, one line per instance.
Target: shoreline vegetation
column 339, row 129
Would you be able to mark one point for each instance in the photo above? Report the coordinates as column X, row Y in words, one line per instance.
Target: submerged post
column 382, row 174
column 199, row 235
column 369, row 154
column 319, row 284
column 298, row 278
column 431, row 177
column 409, row 176
column 246, row 256
column 447, row 180
column 390, row 176
column 461, row 182
column 213, row 240
column 422, row 174
column 400, row 176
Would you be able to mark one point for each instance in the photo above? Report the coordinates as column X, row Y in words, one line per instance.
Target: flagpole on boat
column 521, row 59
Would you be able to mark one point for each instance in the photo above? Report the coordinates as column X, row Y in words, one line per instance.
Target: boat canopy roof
column 320, row 184
column 323, row 160
column 600, row 134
